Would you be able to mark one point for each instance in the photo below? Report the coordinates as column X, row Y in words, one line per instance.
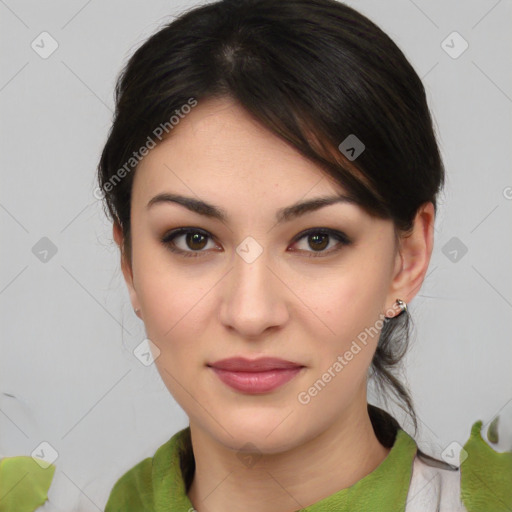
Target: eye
column 318, row 239
column 196, row 240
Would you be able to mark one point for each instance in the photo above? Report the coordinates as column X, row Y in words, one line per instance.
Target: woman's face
column 257, row 283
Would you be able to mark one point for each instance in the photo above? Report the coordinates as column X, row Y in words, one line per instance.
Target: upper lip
column 241, row 364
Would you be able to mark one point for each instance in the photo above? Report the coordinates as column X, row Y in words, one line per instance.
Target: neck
column 336, row 459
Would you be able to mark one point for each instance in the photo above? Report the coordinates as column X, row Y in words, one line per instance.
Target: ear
column 126, row 268
column 413, row 257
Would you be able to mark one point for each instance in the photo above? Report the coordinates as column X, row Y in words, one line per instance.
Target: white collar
column 433, row 489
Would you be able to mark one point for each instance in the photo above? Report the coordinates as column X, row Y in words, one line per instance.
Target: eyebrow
column 282, row 215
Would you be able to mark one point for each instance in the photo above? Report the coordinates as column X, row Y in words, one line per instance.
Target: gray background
column 68, row 375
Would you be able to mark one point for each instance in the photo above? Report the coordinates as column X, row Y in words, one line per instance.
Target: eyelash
column 168, row 240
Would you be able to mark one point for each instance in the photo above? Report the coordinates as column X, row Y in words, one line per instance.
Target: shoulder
column 482, row 482
column 486, row 475
column 134, row 490
column 156, row 478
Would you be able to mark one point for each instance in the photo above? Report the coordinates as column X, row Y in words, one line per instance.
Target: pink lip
column 255, row 376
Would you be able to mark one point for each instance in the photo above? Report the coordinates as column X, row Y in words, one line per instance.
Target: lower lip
column 256, row 382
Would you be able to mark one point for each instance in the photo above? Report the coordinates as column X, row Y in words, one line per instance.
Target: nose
column 254, row 298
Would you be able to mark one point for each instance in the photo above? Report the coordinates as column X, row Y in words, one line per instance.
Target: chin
column 268, row 433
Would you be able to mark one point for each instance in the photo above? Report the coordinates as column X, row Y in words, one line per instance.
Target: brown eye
column 319, row 238
column 194, row 241
column 318, row 242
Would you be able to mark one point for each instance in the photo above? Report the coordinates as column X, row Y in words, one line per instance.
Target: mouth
column 255, row 376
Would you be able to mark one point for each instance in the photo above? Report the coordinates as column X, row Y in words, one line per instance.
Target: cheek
column 343, row 354
column 350, row 304
column 169, row 293
column 174, row 319
column 172, row 307
column 350, row 308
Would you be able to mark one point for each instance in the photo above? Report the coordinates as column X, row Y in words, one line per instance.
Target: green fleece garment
column 24, row 483
column 157, row 484
column 486, row 476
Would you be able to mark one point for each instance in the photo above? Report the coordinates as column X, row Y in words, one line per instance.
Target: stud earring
column 403, row 308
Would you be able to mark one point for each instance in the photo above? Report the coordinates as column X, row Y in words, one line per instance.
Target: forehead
column 219, row 139
column 219, row 154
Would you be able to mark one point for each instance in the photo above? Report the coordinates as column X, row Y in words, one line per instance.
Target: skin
column 309, row 310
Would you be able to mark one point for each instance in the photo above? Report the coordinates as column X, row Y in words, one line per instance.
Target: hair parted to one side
column 312, row 72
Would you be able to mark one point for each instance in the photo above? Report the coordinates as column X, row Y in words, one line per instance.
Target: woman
column 272, row 175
